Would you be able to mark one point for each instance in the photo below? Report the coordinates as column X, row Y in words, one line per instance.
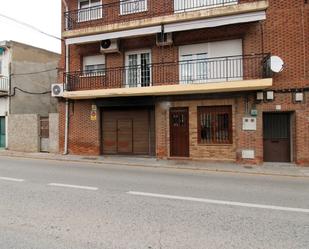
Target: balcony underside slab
column 231, row 86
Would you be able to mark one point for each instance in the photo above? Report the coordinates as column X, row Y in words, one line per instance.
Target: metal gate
column 2, row 132
column 44, row 134
column 277, row 138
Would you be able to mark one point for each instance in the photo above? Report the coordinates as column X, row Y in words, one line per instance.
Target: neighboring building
column 25, row 72
column 187, row 79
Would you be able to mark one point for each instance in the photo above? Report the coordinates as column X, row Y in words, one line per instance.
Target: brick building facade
column 196, row 93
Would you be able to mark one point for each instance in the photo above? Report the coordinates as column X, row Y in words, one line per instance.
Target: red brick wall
column 285, row 33
column 84, row 134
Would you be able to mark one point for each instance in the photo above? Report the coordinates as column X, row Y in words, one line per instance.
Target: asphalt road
column 63, row 205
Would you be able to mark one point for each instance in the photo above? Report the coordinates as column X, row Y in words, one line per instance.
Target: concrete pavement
column 266, row 169
column 63, row 205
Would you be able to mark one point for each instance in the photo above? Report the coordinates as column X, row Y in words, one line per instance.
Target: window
column 185, row 5
column 215, row 125
column 89, row 10
column 211, row 62
column 193, row 68
column 132, row 6
column 138, row 69
column 0, row 67
column 94, row 65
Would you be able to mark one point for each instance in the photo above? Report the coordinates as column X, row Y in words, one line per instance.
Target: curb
column 157, row 166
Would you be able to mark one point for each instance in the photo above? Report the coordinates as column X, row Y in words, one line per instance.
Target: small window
column 89, row 10
column 94, row 65
column 132, row 6
column 215, row 125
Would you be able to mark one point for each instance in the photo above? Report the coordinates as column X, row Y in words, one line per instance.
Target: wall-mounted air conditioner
column 110, row 46
column 57, row 90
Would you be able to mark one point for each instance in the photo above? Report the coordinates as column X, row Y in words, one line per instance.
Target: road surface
column 63, row 205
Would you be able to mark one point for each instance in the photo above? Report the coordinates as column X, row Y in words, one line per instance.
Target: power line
column 29, row 26
column 27, row 92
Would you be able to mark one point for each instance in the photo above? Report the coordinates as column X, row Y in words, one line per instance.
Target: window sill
column 132, row 13
column 91, row 76
column 215, row 145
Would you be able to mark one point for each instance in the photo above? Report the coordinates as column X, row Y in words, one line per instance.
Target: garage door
column 126, row 131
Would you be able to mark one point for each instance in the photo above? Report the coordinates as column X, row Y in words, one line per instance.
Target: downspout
column 67, row 115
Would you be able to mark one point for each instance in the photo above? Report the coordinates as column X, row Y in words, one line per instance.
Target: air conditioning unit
column 57, row 90
column 165, row 39
column 110, row 46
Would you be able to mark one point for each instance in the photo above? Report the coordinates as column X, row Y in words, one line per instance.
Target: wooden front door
column 276, row 129
column 179, row 132
column 125, row 136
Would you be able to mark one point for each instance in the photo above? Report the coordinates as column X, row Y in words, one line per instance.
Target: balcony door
column 193, row 68
column 138, row 69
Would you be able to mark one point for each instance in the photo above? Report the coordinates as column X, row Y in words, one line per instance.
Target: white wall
column 3, row 105
column 5, row 58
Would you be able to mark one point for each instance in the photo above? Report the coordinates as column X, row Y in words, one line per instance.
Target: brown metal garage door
column 126, row 131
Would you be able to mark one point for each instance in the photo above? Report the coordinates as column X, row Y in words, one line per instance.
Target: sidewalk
column 275, row 169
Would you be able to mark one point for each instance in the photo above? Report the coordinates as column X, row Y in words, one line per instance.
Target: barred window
column 215, row 125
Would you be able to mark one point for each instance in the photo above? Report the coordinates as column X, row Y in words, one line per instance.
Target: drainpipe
column 67, row 115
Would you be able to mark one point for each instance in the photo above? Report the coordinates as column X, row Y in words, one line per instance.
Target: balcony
column 128, row 14
column 183, row 77
column 4, row 85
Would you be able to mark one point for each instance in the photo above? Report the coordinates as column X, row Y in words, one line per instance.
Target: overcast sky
column 43, row 14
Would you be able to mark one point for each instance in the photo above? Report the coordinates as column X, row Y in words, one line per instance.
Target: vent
column 164, row 39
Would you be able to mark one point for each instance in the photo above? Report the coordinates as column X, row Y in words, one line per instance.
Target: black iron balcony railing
column 4, row 84
column 202, row 71
column 128, row 10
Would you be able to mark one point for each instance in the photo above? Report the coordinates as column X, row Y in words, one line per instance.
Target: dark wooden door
column 125, row 136
column 179, row 132
column 276, row 129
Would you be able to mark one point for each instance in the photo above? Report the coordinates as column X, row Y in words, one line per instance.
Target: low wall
column 23, row 133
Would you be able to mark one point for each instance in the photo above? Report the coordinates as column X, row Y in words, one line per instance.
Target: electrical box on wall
column 247, row 154
column 249, row 124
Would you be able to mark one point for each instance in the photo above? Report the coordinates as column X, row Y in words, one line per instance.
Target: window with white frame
column 138, row 69
column 89, row 10
column 211, row 62
column 94, row 65
column 191, row 5
column 132, row 6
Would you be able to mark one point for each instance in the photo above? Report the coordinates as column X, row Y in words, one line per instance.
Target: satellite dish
column 276, row 64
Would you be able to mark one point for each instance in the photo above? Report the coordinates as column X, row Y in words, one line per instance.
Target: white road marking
column 11, row 179
column 229, row 203
column 72, row 186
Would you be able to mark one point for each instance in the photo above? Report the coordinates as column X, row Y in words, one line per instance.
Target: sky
column 43, row 14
